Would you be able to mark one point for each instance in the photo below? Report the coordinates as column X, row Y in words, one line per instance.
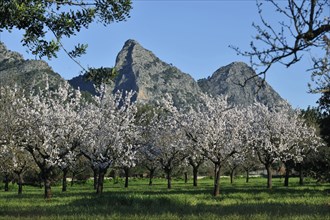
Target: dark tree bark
column 6, row 180
column 151, row 175
column 48, row 189
column 195, row 175
column 20, row 183
column 185, row 177
column 269, row 176
column 95, row 173
column 287, row 175
column 232, row 172
column 301, row 175
column 64, row 182
column 216, row 190
column 101, row 174
column 231, row 177
column 72, row 178
column 126, row 170
column 168, row 172
column 247, row 175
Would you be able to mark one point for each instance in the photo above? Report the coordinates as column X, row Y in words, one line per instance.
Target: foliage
column 101, row 75
column 41, row 19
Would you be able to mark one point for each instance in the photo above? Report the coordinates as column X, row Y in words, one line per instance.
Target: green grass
column 139, row 201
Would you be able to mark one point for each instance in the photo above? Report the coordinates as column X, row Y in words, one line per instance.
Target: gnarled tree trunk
column 216, row 189
column 287, row 175
column 195, row 175
column 168, row 172
column 20, row 183
column 95, row 175
column 6, row 180
column 100, row 181
column 151, row 175
column 185, row 177
column 64, row 182
column 269, row 176
column 247, row 175
column 48, row 189
column 126, row 170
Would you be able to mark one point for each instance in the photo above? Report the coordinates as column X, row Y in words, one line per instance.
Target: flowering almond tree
column 220, row 130
column 301, row 140
column 14, row 159
column 109, row 132
column 167, row 142
column 52, row 122
column 280, row 135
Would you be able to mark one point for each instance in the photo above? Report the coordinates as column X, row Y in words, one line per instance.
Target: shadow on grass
column 149, row 203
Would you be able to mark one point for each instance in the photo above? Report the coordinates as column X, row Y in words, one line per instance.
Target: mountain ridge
column 141, row 70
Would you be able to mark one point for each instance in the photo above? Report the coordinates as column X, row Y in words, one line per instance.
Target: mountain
column 229, row 81
column 14, row 69
column 140, row 70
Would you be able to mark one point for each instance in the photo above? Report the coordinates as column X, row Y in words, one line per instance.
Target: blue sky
column 193, row 35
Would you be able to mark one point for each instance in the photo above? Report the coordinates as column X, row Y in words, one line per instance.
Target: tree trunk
column 72, row 178
column 231, row 176
column 185, row 177
column 126, row 170
column 99, row 188
column 216, row 190
column 269, row 176
column 48, row 190
column 20, row 183
column 95, row 173
column 287, row 175
column 151, row 176
column 247, row 175
column 6, row 180
column 195, row 174
column 169, row 178
column 301, row 175
column 64, row 183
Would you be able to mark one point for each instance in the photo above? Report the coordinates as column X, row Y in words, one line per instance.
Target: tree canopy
column 47, row 22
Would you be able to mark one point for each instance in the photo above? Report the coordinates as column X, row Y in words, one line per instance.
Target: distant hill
column 26, row 73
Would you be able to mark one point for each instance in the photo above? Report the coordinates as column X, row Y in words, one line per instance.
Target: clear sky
column 193, row 35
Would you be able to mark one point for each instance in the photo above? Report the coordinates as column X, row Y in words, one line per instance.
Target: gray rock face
column 228, row 80
column 140, row 70
column 26, row 73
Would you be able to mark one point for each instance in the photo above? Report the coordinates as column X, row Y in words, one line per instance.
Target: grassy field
column 139, row 201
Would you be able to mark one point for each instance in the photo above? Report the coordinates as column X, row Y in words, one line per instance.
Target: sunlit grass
column 140, row 201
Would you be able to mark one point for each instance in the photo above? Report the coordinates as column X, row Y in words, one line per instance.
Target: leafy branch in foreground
column 41, row 19
column 304, row 27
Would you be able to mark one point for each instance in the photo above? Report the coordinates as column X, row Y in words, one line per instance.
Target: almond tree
column 167, row 141
column 222, row 132
column 302, row 140
column 192, row 126
column 14, row 159
column 110, row 124
column 279, row 134
column 233, row 163
column 52, row 128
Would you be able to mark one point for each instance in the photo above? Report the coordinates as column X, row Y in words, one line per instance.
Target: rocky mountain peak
column 241, row 84
column 9, row 56
column 142, row 71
